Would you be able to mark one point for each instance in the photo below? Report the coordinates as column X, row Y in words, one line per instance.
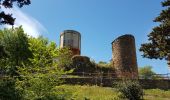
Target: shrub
column 8, row 91
column 130, row 90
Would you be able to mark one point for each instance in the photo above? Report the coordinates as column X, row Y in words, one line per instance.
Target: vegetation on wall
column 82, row 65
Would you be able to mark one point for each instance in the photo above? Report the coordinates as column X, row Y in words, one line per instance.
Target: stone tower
column 71, row 39
column 124, row 57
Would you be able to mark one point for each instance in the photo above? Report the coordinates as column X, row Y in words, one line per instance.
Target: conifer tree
column 158, row 46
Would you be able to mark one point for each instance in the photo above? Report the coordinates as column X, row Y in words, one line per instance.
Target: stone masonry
column 124, row 57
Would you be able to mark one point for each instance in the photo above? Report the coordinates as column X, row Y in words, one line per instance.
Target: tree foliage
column 8, row 91
column 7, row 18
column 31, row 65
column 158, row 46
column 44, row 71
column 14, row 48
column 146, row 72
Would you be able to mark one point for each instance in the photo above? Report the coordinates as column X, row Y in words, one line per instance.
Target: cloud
column 30, row 25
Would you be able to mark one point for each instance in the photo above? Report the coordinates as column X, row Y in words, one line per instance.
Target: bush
column 40, row 88
column 130, row 90
column 8, row 91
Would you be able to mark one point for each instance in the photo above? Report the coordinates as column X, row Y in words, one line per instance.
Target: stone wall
column 106, row 82
column 83, row 65
column 124, row 56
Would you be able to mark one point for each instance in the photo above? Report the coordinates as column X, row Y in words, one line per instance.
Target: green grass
column 104, row 93
column 90, row 92
column 157, row 94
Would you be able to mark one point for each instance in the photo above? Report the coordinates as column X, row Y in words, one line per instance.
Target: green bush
column 41, row 88
column 8, row 91
column 130, row 89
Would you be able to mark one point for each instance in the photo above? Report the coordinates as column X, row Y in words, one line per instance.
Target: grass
column 90, row 92
column 157, row 94
column 87, row 92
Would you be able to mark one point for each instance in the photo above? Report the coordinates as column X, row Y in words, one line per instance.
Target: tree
column 14, row 52
column 43, row 72
column 30, row 67
column 14, row 48
column 158, row 46
column 8, row 91
column 7, row 18
column 146, row 72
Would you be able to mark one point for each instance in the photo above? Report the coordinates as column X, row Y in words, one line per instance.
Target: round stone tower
column 71, row 39
column 124, row 57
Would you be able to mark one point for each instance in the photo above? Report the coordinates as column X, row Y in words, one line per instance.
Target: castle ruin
column 124, row 57
column 123, row 53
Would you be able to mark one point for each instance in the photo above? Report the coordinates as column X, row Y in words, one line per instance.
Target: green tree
column 146, row 72
column 35, row 61
column 43, row 72
column 14, row 52
column 7, row 18
column 14, row 49
column 158, row 46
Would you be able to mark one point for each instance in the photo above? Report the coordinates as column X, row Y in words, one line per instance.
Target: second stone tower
column 124, row 56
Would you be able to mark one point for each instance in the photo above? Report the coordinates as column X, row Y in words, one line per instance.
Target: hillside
column 86, row 92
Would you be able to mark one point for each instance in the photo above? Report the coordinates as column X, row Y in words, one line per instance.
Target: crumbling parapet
column 124, row 57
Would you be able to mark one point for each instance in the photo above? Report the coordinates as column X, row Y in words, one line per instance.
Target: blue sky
column 98, row 21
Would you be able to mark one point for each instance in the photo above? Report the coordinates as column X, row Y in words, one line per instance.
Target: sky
column 98, row 21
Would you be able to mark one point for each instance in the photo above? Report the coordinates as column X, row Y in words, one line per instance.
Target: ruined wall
column 106, row 82
column 124, row 56
column 82, row 64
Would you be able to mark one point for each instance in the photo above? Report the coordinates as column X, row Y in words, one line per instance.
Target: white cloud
column 30, row 25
